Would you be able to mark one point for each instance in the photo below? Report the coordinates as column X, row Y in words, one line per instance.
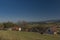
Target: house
column 52, row 30
column 10, row 29
column 19, row 28
column 16, row 28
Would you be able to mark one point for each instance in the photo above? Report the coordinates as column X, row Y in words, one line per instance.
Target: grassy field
column 16, row 35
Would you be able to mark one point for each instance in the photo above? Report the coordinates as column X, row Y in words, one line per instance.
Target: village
column 42, row 28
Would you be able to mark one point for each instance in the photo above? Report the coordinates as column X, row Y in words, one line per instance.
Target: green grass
column 16, row 35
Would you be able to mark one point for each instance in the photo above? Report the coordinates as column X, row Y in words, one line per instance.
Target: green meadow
column 16, row 35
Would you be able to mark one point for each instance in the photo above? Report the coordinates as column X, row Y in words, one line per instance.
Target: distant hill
column 52, row 21
column 48, row 21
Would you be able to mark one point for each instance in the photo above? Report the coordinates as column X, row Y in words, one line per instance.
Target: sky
column 29, row 10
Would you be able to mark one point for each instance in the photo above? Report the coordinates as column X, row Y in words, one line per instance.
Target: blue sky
column 29, row 10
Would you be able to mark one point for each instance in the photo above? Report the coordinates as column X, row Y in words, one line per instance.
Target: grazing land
column 16, row 35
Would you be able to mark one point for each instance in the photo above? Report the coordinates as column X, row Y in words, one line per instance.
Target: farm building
column 16, row 28
column 47, row 30
column 52, row 30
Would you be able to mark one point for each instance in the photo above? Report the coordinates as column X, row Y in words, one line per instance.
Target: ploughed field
column 16, row 35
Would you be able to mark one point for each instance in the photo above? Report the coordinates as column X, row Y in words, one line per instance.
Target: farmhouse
column 16, row 28
column 52, row 30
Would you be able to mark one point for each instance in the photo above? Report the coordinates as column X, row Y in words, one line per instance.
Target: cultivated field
column 16, row 35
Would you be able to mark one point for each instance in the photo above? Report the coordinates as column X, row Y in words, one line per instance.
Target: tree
column 1, row 26
column 8, row 24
